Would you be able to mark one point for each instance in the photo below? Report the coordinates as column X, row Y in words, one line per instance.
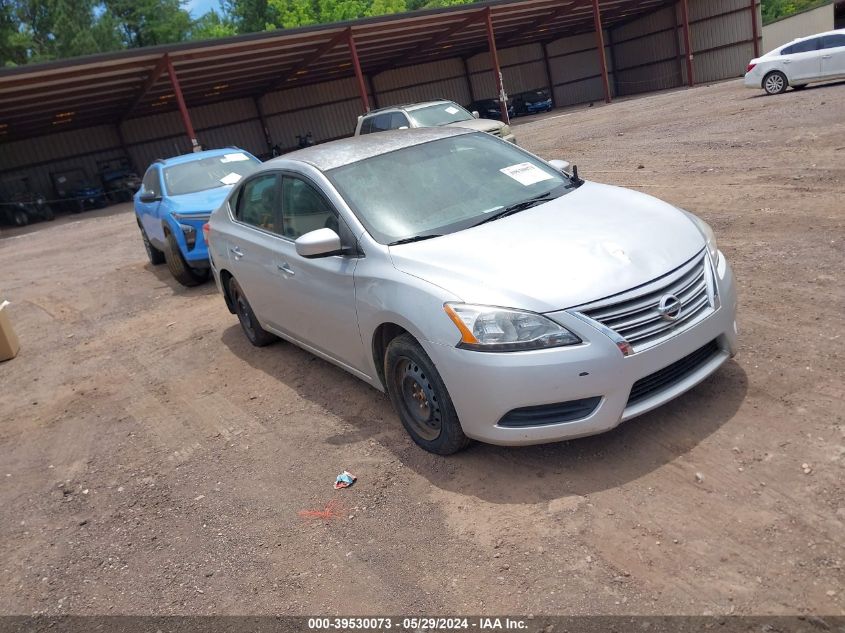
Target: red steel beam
column 356, row 63
column 156, row 72
column 687, row 42
column 754, row 28
column 183, row 109
column 600, row 45
column 494, row 60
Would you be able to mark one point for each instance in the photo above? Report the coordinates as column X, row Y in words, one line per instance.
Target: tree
column 250, row 16
column 211, row 25
column 776, row 9
column 386, row 7
column 150, row 22
column 292, row 13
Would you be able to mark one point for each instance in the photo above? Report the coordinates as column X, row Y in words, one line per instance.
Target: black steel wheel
column 182, row 272
column 256, row 334
column 420, row 398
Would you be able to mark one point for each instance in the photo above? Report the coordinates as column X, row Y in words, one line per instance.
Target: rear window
column 806, row 46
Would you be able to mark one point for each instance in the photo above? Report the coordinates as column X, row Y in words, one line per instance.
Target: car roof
column 187, row 158
column 406, row 106
column 810, row 37
column 345, row 151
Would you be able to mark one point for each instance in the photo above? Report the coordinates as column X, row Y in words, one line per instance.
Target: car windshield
column 443, row 186
column 439, row 114
column 208, row 173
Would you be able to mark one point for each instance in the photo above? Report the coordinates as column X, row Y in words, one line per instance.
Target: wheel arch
column 382, row 336
column 225, row 276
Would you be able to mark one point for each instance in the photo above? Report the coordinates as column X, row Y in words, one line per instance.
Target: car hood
column 200, row 201
column 480, row 125
column 594, row 242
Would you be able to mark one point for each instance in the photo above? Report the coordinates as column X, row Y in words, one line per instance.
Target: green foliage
column 212, row 25
column 776, row 9
column 150, row 22
column 41, row 30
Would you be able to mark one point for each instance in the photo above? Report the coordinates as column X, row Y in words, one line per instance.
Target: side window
column 367, row 126
column 397, row 120
column 304, row 209
column 381, row 122
column 258, row 202
column 806, row 47
column 833, row 41
column 151, row 182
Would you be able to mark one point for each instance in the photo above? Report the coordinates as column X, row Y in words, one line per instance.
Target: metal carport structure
column 123, row 89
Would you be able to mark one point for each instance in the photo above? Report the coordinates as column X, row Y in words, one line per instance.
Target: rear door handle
column 826, row 56
column 237, row 252
column 285, row 268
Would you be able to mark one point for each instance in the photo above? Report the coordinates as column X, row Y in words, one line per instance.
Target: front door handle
column 285, row 268
column 826, row 56
column 236, row 252
column 787, row 61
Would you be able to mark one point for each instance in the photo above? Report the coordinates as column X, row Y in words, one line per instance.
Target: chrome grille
column 635, row 315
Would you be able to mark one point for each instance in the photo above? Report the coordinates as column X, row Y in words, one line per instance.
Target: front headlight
column 505, row 130
column 491, row 329
column 709, row 237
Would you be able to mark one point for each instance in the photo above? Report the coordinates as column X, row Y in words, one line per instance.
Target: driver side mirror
column 562, row 165
column 319, row 243
column 475, row 114
column 149, row 197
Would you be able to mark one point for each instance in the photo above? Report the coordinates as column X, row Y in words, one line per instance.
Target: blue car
column 176, row 198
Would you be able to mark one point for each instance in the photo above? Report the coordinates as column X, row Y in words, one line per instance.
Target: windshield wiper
column 416, row 238
column 516, row 208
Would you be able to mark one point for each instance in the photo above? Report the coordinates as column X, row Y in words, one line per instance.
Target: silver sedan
column 491, row 294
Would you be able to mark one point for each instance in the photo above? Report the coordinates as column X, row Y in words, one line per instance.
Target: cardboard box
column 9, row 344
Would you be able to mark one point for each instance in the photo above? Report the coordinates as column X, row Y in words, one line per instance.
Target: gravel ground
column 153, row 462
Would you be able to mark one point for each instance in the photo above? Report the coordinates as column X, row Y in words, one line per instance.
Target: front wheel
column 775, row 83
column 420, row 398
column 179, row 268
column 256, row 334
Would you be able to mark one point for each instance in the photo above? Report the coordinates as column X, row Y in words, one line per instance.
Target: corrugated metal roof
column 42, row 98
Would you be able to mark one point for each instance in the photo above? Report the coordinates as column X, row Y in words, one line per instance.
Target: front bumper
column 510, row 138
column 188, row 233
column 486, row 386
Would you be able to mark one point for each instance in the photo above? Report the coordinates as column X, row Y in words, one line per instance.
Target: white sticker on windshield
column 526, row 173
column 452, row 110
column 234, row 158
column 230, row 179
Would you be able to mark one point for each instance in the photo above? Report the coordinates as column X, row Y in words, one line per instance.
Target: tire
column 255, row 334
column 799, row 87
column 179, row 268
column 20, row 217
column 421, row 399
column 155, row 256
column 775, row 83
column 47, row 213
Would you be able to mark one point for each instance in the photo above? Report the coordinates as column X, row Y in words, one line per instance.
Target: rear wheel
column 420, row 398
column 256, row 334
column 775, row 83
column 179, row 268
column 20, row 217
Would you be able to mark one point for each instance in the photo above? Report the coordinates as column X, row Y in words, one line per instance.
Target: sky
column 199, row 7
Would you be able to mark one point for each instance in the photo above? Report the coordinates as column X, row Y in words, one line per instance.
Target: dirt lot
column 154, row 462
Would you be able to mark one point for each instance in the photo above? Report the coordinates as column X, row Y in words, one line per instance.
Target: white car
column 806, row 60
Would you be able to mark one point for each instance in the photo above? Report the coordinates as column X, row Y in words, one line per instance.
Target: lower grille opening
column 674, row 373
column 550, row 413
